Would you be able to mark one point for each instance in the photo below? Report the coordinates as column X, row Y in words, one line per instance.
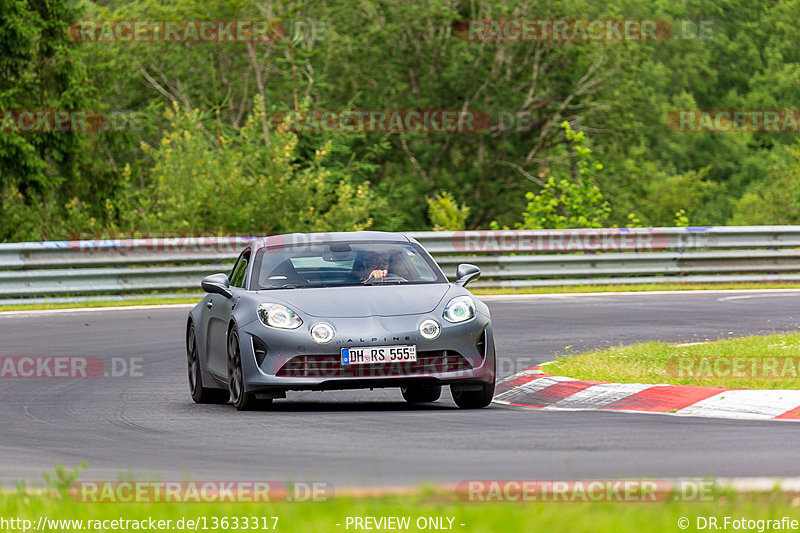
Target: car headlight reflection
column 429, row 329
column 279, row 316
column 459, row 309
column 322, row 333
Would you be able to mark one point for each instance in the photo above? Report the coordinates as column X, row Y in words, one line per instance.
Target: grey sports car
column 323, row 311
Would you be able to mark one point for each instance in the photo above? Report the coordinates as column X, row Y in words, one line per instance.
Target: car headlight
column 459, row 309
column 322, row 333
column 429, row 329
column 279, row 316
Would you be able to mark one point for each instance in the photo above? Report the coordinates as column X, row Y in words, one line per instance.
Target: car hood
column 356, row 302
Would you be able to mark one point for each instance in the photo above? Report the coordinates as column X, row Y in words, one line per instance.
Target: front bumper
column 462, row 353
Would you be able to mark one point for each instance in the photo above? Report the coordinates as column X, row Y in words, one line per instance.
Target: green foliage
column 569, row 202
column 63, row 478
column 565, row 204
column 41, row 216
column 40, row 69
column 42, row 173
column 681, row 220
column 681, row 193
column 244, row 180
column 619, row 93
column 776, row 199
column 633, row 221
column 446, row 214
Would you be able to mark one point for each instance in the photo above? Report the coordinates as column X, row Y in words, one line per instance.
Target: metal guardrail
column 506, row 258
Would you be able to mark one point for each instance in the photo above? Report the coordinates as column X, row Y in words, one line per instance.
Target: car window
column 320, row 263
column 413, row 261
column 344, row 264
column 240, row 270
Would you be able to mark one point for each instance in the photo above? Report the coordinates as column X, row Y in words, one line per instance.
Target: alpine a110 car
column 326, row 311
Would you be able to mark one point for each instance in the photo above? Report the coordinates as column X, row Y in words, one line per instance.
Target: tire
column 421, row 393
column 240, row 397
column 478, row 399
column 200, row 394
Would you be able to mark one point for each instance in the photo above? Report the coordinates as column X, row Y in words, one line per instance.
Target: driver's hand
column 377, row 274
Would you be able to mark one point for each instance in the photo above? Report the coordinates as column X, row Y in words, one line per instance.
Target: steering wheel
column 388, row 278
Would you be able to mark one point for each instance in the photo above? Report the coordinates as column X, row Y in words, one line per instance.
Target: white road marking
column 681, row 345
column 750, row 404
column 750, row 296
column 529, row 388
column 599, row 396
column 563, row 295
column 35, row 312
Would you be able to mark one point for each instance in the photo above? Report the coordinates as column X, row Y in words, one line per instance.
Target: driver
column 375, row 266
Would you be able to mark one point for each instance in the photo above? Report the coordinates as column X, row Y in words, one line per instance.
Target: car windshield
column 339, row 264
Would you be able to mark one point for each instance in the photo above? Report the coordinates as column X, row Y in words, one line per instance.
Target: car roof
column 332, row 236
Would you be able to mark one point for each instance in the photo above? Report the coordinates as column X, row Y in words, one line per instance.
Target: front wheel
column 240, row 397
column 473, row 399
column 200, row 394
column 421, row 393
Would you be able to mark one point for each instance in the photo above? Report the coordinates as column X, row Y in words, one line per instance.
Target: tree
column 234, row 181
column 570, row 201
column 446, row 214
column 776, row 199
column 40, row 70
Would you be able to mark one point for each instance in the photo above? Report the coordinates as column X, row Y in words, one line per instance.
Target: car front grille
column 330, row 366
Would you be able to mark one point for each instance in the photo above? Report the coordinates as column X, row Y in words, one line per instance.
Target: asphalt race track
column 147, row 425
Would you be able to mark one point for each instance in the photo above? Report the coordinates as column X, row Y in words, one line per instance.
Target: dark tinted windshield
column 342, row 264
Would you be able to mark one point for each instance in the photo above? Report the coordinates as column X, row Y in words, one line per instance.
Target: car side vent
column 481, row 344
column 260, row 351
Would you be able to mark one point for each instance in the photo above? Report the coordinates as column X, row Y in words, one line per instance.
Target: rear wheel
column 240, row 397
column 472, row 399
column 200, row 394
column 421, row 393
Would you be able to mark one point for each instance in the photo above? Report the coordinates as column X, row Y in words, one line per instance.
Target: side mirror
column 466, row 273
column 217, row 284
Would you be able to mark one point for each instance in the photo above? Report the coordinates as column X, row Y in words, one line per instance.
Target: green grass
column 476, row 517
column 641, row 287
column 658, row 362
column 564, row 289
column 145, row 300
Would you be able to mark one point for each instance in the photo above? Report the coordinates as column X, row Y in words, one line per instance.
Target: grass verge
column 640, row 287
column 332, row 515
column 754, row 362
column 146, row 300
column 564, row 289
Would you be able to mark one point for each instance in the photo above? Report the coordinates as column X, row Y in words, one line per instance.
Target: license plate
column 379, row 354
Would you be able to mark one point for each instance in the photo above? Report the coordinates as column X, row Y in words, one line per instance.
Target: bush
column 445, row 213
column 249, row 180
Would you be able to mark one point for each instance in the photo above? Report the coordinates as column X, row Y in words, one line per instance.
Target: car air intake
column 260, row 350
column 324, row 366
column 481, row 344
